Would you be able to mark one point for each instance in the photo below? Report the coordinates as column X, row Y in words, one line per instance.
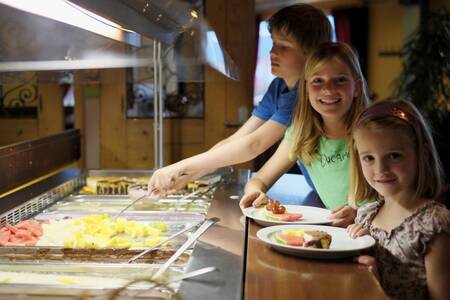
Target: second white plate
column 342, row 245
column 311, row 215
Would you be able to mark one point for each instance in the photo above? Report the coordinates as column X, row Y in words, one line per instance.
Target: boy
column 295, row 31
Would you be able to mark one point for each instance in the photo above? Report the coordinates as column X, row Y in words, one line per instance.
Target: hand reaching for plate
column 356, row 230
column 343, row 216
column 254, row 199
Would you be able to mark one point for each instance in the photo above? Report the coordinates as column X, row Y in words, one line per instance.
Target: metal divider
column 37, row 204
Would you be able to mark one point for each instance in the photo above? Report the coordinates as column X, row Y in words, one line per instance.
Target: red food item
column 279, row 210
column 288, row 217
column 270, row 205
column 4, row 237
column 275, row 207
column 292, row 240
column 24, row 233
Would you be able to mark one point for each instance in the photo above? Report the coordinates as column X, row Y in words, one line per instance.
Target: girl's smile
column 331, row 90
column 388, row 161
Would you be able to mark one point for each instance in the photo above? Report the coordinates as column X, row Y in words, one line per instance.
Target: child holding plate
column 333, row 93
column 394, row 160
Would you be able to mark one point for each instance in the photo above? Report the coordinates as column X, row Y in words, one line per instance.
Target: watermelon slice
column 290, row 237
column 286, row 217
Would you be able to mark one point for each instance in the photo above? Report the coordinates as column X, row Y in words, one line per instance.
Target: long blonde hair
column 307, row 126
column 401, row 115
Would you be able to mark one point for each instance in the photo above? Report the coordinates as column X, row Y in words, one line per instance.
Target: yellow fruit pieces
column 102, row 231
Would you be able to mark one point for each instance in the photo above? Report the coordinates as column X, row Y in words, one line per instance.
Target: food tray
column 111, row 204
column 72, row 279
column 41, row 255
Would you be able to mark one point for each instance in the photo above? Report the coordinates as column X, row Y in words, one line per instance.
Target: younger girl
column 332, row 95
column 394, row 160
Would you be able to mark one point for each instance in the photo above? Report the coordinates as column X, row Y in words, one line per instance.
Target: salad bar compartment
column 67, row 241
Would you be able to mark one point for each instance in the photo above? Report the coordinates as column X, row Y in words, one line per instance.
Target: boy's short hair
column 307, row 24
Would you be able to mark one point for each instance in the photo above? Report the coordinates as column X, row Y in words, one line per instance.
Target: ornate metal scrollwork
column 19, row 97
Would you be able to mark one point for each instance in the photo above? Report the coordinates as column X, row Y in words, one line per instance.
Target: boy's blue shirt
column 278, row 104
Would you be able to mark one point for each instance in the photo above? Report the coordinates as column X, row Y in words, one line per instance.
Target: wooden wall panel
column 113, row 148
column 215, row 84
column 241, row 45
column 79, row 117
column 50, row 109
column 140, row 154
column 224, row 97
column 17, row 130
column 385, row 34
column 182, row 138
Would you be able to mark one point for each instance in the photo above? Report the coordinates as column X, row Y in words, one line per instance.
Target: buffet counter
column 247, row 268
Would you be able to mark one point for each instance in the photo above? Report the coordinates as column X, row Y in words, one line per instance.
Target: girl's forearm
column 255, row 185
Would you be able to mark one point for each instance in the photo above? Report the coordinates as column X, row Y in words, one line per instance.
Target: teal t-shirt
column 330, row 172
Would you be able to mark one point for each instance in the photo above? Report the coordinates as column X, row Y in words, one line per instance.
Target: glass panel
column 181, row 98
column 31, row 42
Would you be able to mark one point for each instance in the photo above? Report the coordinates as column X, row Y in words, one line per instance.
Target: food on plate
column 275, row 207
column 277, row 212
column 304, row 238
column 24, row 233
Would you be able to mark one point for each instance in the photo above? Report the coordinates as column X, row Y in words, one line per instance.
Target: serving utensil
column 128, row 206
column 206, row 224
column 162, row 242
column 192, row 274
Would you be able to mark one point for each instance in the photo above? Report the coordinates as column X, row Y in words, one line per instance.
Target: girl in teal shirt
column 333, row 93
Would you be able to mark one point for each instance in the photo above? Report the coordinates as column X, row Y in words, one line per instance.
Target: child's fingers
column 370, row 262
column 262, row 199
column 353, row 230
column 340, row 213
column 248, row 199
column 337, row 209
column 366, row 260
column 362, row 231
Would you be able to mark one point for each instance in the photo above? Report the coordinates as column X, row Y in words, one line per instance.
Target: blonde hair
column 401, row 115
column 307, row 126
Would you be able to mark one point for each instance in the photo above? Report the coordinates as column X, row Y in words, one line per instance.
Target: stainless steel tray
column 111, row 204
column 72, row 279
column 148, row 216
column 45, row 255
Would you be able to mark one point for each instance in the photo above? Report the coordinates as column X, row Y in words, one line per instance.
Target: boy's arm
column 238, row 150
column 248, row 127
column 276, row 166
column 437, row 266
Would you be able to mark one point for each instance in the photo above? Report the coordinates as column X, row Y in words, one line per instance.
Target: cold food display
column 83, row 243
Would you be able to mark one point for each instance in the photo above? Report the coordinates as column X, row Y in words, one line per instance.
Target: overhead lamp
column 72, row 14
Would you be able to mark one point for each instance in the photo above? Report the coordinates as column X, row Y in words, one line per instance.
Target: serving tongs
column 163, row 242
column 128, row 206
column 206, row 224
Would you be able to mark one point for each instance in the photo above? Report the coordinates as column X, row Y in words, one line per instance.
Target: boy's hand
column 356, row 230
column 370, row 262
column 254, row 199
column 343, row 216
column 167, row 180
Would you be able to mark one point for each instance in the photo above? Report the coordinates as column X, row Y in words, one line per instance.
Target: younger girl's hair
column 400, row 115
column 307, row 125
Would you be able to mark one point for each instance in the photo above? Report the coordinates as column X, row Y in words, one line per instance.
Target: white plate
column 342, row 245
column 311, row 215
